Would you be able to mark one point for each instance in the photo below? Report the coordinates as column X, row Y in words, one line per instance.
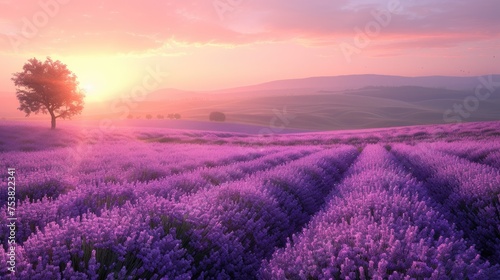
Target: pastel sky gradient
column 110, row 44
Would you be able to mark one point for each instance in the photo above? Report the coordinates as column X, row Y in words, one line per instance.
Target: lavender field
column 417, row 202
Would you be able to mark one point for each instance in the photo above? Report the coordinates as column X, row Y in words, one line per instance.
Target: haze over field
column 250, row 59
column 343, row 102
column 320, row 103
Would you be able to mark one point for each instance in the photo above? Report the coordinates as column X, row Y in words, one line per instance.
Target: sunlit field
column 151, row 203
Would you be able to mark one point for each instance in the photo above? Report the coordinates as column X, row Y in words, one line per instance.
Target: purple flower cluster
column 118, row 244
column 221, row 231
column 206, row 177
column 469, row 191
column 264, row 209
column 378, row 224
column 477, row 151
column 401, row 203
column 33, row 216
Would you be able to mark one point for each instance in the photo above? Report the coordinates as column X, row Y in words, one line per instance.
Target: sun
column 89, row 90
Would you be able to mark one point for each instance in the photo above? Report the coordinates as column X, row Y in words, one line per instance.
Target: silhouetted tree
column 160, row 116
column 148, row 116
column 48, row 87
column 217, row 116
column 177, row 116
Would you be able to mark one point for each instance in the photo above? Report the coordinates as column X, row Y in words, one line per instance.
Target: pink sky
column 113, row 45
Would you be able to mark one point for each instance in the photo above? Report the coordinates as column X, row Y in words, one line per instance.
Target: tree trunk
column 53, row 122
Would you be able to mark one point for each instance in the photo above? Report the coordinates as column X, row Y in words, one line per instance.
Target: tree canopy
column 48, row 87
column 217, row 116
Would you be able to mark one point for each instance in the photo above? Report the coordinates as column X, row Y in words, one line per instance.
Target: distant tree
column 217, row 116
column 148, row 116
column 170, row 116
column 160, row 116
column 48, row 87
column 177, row 116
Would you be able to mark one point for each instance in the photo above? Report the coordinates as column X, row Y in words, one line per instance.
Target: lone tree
column 48, row 87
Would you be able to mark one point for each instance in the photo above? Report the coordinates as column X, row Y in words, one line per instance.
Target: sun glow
column 93, row 89
column 89, row 89
column 101, row 78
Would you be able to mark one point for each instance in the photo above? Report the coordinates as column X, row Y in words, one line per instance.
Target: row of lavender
column 468, row 191
column 382, row 223
column 484, row 152
column 227, row 213
column 222, row 231
column 54, row 172
column 34, row 215
column 206, row 211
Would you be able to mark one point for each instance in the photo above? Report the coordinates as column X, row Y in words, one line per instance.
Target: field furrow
column 378, row 224
column 103, row 165
column 218, row 231
column 479, row 152
column 33, row 216
column 397, row 203
column 188, row 183
column 468, row 191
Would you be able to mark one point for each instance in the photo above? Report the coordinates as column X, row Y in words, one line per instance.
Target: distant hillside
column 369, row 107
column 360, row 81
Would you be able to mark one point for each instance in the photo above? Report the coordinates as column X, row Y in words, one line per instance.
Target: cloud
column 133, row 26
